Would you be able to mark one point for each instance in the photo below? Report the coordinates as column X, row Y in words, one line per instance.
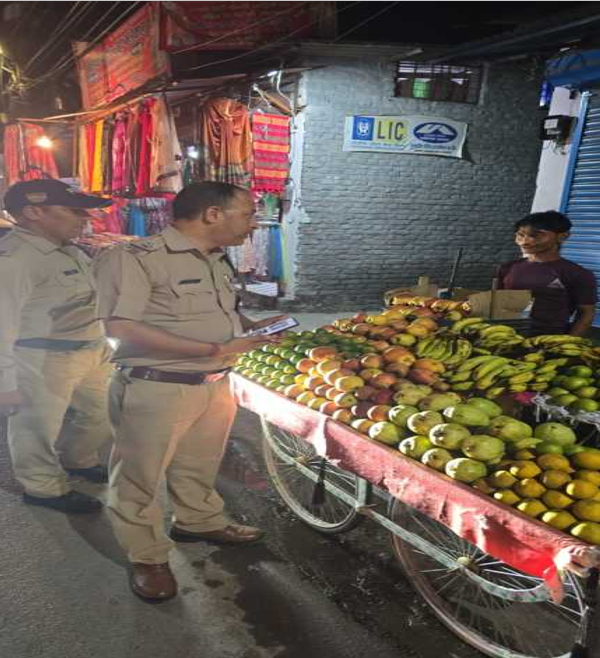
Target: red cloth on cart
column 516, row 539
column 271, row 148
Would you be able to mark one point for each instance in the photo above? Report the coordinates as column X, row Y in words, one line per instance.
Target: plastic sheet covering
column 516, row 539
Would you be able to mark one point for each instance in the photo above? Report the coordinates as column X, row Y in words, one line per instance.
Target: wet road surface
column 298, row 594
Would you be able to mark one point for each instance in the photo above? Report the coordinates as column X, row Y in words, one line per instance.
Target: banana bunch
column 450, row 350
column 559, row 345
column 486, row 337
column 591, row 357
column 495, row 375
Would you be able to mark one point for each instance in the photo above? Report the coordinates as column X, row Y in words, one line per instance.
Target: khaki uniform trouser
column 171, row 431
column 52, row 383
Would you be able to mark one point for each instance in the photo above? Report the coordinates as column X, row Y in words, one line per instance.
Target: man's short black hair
column 194, row 199
column 551, row 220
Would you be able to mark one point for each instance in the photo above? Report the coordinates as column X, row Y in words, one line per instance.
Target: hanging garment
column 270, row 148
column 165, row 157
column 119, row 154
column 137, row 221
column 107, row 139
column 132, row 149
column 275, row 254
column 96, row 183
column 25, row 160
column 226, row 142
column 83, row 162
column 142, row 184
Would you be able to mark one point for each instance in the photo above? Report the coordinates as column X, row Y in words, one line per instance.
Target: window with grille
column 438, row 82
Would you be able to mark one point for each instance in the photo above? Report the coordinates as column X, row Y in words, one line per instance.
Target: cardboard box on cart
column 490, row 304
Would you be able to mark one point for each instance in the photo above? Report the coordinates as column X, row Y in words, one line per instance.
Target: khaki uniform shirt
column 165, row 281
column 46, row 292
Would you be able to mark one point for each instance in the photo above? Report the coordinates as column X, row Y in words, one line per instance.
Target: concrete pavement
column 64, row 591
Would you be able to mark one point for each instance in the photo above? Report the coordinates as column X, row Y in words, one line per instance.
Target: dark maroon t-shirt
column 558, row 288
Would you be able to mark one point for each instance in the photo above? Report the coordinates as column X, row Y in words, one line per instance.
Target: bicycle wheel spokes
column 479, row 597
column 289, row 459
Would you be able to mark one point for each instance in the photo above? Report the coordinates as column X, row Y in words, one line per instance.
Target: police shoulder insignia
column 147, row 244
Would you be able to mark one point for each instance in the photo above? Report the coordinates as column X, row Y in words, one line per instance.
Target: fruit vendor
column 564, row 293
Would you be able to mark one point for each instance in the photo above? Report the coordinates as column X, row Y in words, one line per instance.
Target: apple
column 403, row 339
column 387, row 333
column 361, row 409
column 359, row 318
column 380, row 345
column 420, row 376
column 331, row 393
column 385, row 432
column 328, row 408
column 312, row 383
column 362, row 328
column 323, row 367
column 365, row 392
column 383, row 380
column 351, row 364
column 322, row 390
column 323, row 353
column 304, row 365
column 362, row 425
column 383, row 396
column 427, row 322
column 378, row 412
column 331, row 377
column 396, row 353
column 345, row 400
column 423, row 312
column 417, row 330
column 349, row 383
column 369, row 373
column 342, row 416
column 430, row 364
column 400, row 369
column 398, row 325
column 316, row 403
column 371, row 361
column 293, row 391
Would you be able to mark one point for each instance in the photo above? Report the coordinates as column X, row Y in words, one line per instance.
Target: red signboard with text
column 235, row 25
column 125, row 60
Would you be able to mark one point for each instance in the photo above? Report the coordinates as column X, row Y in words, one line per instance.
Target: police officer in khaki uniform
column 54, row 357
column 170, row 302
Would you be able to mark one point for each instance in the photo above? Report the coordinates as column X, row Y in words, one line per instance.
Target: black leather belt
column 56, row 345
column 189, row 378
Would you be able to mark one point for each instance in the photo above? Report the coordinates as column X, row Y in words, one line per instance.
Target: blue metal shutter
column 581, row 195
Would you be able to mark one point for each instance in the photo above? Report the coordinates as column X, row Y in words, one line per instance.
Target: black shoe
column 71, row 503
column 97, row 474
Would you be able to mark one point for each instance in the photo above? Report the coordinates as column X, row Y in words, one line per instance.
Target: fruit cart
column 508, row 585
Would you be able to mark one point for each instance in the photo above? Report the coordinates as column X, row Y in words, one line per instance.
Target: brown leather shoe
column 231, row 534
column 153, row 582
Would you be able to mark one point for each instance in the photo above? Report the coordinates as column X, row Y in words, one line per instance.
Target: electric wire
column 83, row 39
column 68, row 61
column 69, row 22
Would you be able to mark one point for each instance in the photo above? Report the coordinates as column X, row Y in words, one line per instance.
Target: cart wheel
column 283, row 450
column 477, row 598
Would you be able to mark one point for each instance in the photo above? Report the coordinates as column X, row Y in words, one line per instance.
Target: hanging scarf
column 271, row 148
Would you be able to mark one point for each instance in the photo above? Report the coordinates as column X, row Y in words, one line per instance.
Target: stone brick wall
column 375, row 221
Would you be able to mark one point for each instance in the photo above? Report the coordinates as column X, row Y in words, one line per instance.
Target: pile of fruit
column 575, row 388
column 402, row 378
